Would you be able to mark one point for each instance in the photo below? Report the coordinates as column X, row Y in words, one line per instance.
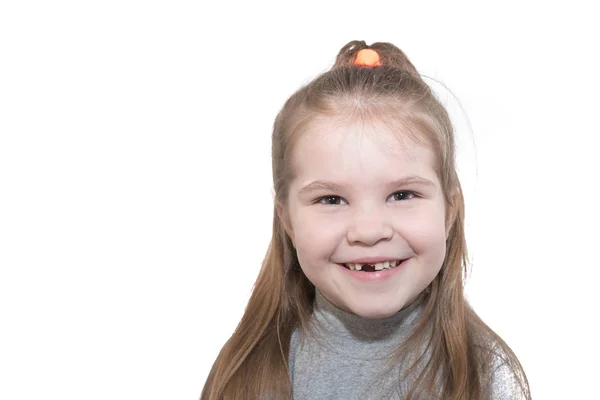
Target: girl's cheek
column 319, row 225
column 421, row 229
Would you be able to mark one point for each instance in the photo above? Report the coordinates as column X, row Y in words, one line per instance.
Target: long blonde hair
column 253, row 364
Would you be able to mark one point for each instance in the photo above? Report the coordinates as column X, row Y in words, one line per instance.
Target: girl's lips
column 371, row 260
column 375, row 276
column 379, row 265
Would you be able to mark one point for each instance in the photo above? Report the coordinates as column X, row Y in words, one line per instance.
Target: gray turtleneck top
column 346, row 357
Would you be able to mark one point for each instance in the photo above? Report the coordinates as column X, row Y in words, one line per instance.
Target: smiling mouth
column 373, row 267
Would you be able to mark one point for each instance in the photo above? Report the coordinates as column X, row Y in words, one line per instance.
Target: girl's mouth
column 373, row 267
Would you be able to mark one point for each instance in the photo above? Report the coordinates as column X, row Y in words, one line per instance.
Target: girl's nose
column 369, row 231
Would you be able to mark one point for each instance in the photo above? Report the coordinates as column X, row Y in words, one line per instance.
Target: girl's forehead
column 335, row 139
column 362, row 153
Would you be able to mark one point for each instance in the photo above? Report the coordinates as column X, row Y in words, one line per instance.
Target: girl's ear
column 283, row 216
column 452, row 211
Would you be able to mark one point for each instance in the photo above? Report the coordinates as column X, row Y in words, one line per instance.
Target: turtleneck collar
column 358, row 337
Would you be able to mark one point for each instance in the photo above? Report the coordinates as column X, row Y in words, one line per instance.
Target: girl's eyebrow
column 336, row 187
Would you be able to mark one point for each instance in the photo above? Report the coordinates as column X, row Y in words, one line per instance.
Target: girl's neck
column 359, row 337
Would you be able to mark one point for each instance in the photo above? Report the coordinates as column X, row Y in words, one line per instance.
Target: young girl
column 360, row 295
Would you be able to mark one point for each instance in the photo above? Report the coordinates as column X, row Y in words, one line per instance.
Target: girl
column 360, row 295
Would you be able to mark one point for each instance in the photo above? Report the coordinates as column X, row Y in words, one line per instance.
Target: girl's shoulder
column 505, row 378
column 505, row 383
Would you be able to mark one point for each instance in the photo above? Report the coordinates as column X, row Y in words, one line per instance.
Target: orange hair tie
column 367, row 58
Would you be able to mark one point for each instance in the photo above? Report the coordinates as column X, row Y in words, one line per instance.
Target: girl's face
column 362, row 196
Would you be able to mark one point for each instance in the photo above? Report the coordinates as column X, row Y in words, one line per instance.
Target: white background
column 136, row 193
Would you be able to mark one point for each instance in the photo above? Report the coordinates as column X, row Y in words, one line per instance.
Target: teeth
column 378, row 266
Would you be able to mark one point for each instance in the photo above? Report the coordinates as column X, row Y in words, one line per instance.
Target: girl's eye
column 334, row 200
column 330, row 200
column 402, row 196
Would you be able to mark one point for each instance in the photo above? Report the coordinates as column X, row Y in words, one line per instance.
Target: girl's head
column 363, row 168
column 363, row 171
